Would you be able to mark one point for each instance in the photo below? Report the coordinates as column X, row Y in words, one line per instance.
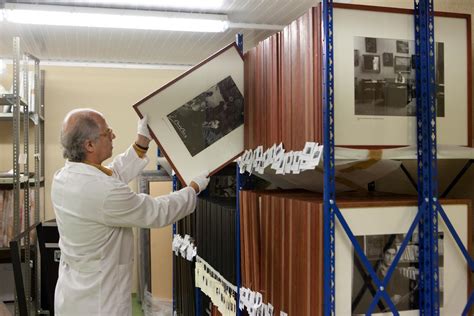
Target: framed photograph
column 356, row 58
column 197, row 119
column 402, row 47
column 402, row 64
column 378, row 109
column 370, row 45
column 387, row 59
column 380, row 227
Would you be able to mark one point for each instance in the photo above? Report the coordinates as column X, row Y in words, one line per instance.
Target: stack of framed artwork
column 282, row 255
column 375, row 107
column 374, row 76
column 282, row 81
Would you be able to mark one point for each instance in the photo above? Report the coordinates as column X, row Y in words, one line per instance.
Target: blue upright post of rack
column 239, row 185
column 427, row 157
column 328, row 157
column 427, row 166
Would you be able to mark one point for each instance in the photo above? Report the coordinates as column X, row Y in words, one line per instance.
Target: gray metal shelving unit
column 27, row 114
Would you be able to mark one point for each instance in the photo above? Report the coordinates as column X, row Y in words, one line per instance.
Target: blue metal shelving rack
column 240, row 183
column 428, row 203
column 427, row 158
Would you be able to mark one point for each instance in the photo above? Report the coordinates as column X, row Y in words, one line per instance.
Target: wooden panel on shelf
column 285, row 87
column 250, row 112
column 317, row 74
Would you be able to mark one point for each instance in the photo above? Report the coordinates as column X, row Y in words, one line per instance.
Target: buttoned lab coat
column 95, row 214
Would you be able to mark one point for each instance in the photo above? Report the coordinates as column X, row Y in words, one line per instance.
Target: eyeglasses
column 108, row 132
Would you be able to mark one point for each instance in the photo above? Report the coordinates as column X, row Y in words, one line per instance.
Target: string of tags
column 184, row 247
column 282, row 162
column 218, row 289
column 253, row 302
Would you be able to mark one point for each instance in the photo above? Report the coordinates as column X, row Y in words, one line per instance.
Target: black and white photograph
column 388, row 88
column 403, row 47
column 387, row 59
column 403, row 287
column 209, row 116
column 370, row 45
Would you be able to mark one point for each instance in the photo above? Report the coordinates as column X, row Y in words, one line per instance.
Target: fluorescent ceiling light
column 114, row 18
column 179, row 4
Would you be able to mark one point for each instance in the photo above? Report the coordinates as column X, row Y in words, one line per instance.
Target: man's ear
column 89, row 146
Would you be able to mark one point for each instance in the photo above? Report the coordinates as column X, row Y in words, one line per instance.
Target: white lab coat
column 95, row 215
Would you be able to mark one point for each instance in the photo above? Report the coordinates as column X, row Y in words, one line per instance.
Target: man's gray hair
column 78, row 126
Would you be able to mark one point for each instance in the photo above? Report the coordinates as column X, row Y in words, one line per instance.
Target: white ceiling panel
column 101, row 45
column 83, row 44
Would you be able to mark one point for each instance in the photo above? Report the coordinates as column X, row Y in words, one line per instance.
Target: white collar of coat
column 86, row 168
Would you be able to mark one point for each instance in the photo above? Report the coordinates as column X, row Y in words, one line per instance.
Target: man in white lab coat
column 96, row 210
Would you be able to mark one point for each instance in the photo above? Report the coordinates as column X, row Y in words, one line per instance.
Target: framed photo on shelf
column 377, row 109
column 197, row 118
column 380, row 227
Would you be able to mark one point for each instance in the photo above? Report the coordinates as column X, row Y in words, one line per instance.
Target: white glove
column 202, row 181
column 143, row 127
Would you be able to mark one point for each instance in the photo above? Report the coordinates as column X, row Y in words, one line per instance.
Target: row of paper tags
column 253, row 302
column 184, row 247
column 216, row 289
column 279, row 160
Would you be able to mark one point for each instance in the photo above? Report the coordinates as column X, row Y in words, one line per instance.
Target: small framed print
column 402, row 64
column 370, row 45
column 387, row 59
column 198, row 118
column 402, row 47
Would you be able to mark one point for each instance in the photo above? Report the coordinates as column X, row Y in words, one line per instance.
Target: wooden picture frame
column 395, row 217
column 380, row 131
column 197, row 119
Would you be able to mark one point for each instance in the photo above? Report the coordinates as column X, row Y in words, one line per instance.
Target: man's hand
column 200, row 183
column 143, row 137
column 143, row 127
